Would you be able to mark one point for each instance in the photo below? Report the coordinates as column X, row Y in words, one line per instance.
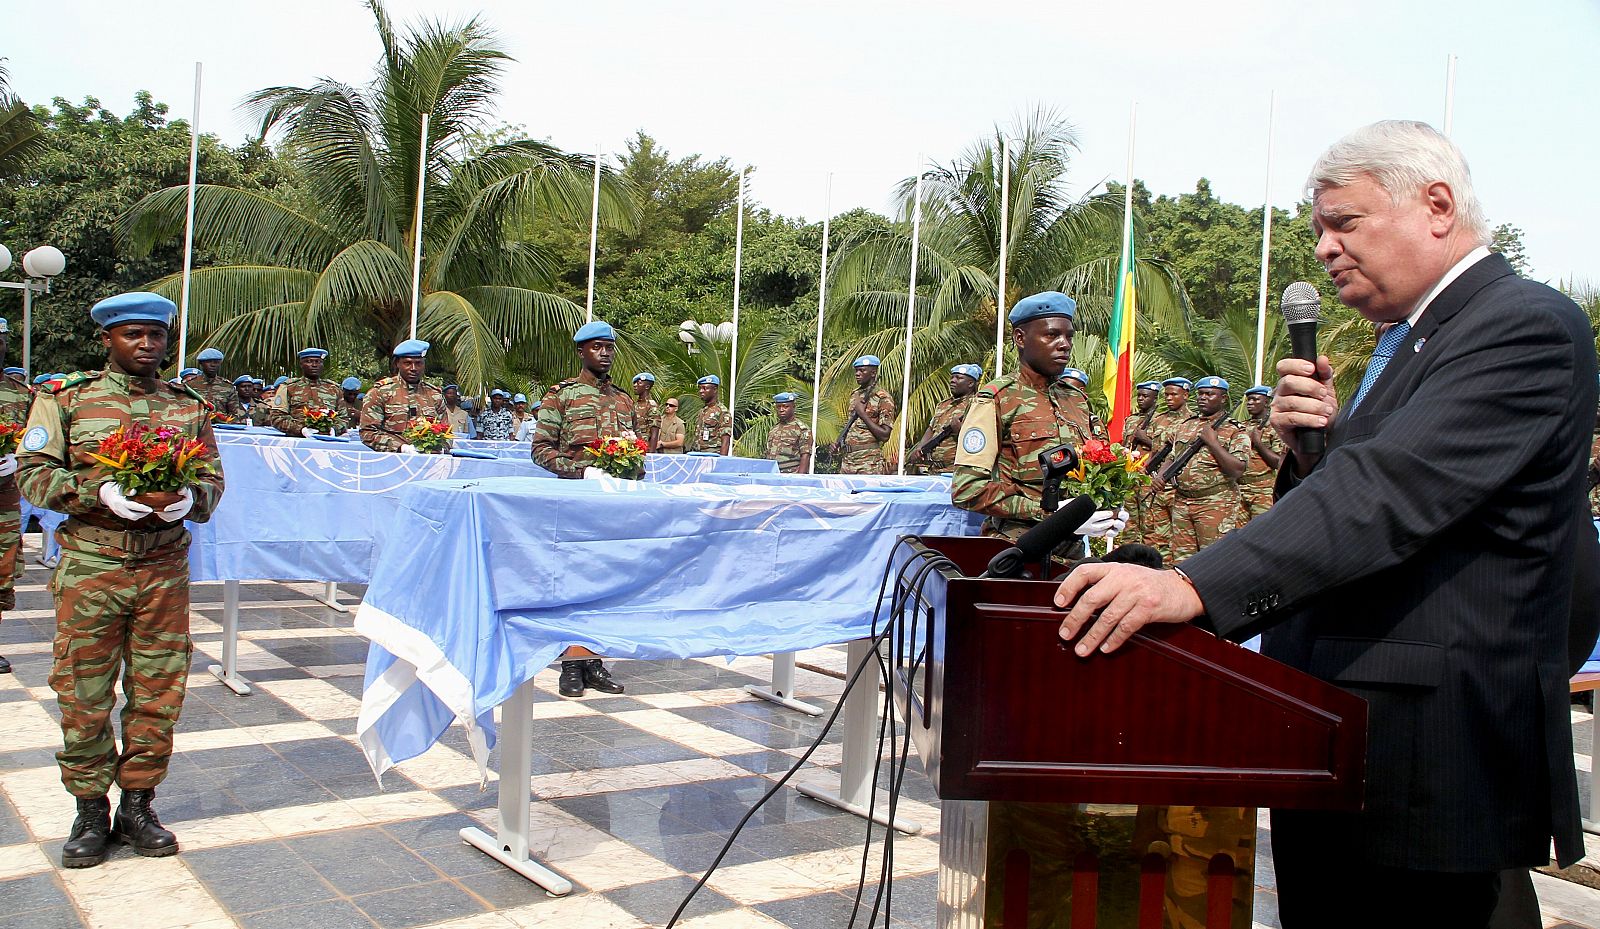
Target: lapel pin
column 1417, row 345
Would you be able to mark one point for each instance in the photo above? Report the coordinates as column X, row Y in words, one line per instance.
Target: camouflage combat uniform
column 391, row 406
column 787, row 444
column 260, row 413
column 1138, row 510
column 1010, row 422
column 14, row 401
column 351, row 410
column 861, row 452
column 290, row 402
column 1255, row 485
column 1156, row 505
column 121, row 589
column 947, row 418
column 222, row 396
column 648, row 413
column 1205, row 502
column 712, row 425
column 574, row 413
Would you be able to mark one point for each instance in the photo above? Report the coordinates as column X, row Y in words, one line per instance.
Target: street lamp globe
column 44, row 261
column 5, row 258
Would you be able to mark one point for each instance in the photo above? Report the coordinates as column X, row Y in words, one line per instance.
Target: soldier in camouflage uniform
column 713, row 427
column 1156, row 505
column 394, row 401
column 1016, row 417
column 260, row 407
column 122, row 587
column 789, row 442
column 1205, row 499
column 216, row 390
column 647, row 409
column 871, row 416
column 350, row 400
column 15, row 398
column 935, row 452
column 1148, row 396
column 1266, row 454
column 309, row 390
column 574, row 413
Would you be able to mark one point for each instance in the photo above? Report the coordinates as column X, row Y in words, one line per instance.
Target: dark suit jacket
column 1427, row 566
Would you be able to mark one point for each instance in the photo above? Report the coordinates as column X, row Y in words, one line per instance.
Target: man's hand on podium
column 1126, row 597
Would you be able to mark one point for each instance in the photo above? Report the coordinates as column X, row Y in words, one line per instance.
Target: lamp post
column 39, row 265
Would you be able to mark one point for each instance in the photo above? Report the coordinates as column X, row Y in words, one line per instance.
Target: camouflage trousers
column 10, row 543
column 1136, row 518
column 129, row 616
column 1199, row 521
column 1253, row 501
column 867, row 460
column 1155, row 528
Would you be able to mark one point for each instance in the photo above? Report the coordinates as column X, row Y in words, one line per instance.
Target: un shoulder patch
column 973, row 442
column 35, row 439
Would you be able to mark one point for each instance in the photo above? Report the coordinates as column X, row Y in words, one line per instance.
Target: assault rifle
column 933, row 441
column 1182, row 461
column 830, row 455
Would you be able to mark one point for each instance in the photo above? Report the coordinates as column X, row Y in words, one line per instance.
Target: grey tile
column 58, row 917
column 656, row 901
column 504, row 889
column 35, row 892
column 694, row 853
column 417, row 905
column 288, row 885
column 253, row 858
column 331, row 914
column 825, row 909
column 12, row 830
column 357, row 861
column 459, row 859
column 431, row 832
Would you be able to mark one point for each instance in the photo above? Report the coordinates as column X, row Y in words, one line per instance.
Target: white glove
column 1104, row 523
column 111, row 495
column 8, row 465
column 408, row 449
column 594, row 474
column 307, row 431
column 180, row 509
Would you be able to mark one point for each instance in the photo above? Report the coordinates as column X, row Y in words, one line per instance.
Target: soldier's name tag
column 35, row 439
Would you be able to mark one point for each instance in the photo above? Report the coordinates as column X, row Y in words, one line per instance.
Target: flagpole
column 416, row 251
column 594, row 236
column 1124, row 308
column 911, row 315
column 738, row 265
column 188, row 226
column 1449, row 94
column 1266, row 246
column 1000, row 290
column 822, row 306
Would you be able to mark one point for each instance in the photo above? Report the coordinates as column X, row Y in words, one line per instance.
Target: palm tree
column 1056, row 241
column 335, row 267
column 21, row 136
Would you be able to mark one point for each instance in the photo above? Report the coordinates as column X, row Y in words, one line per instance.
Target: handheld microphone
column 1302, row 308
column 1037, row 543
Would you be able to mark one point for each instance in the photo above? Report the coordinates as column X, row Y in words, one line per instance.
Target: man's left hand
column 1126, row 598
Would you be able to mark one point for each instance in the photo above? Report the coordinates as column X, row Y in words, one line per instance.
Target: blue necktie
column 1387, row 346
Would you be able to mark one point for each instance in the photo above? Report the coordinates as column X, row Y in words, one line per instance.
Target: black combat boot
column 571, row 679
column 91, row 832
column 137, row 826
column 5, row 666
column 596, row 677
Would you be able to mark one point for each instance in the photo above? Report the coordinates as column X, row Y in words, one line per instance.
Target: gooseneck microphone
column 1037, row 543
column 1302, row 309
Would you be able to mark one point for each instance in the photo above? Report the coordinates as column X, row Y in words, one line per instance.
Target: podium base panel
column 1009, row 865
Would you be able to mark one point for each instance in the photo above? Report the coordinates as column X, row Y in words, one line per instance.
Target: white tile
column 575, row 911
column 22, row 860
column 688, row 733
column 393, row 807
column 275, row 734
column 762, row 882
column 614, row 864
column 26, row 725
column 600, row 780
column 181, row 905
column 314, row 698
column 733, row 919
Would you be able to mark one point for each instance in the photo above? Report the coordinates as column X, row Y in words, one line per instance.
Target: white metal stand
column 228, row 672
column 860, row 748
column 509, row 844
column 330, row 598
column 782, row 690
column 1592, row 824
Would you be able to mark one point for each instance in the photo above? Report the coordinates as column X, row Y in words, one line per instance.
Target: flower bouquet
column 10, row 435
column 1110, row 473
column 219, row 416
column 320, row 419
column 427, row 436
column 151, row 466
column 619, row 456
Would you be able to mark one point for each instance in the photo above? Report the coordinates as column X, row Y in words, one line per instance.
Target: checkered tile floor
column 283, row 826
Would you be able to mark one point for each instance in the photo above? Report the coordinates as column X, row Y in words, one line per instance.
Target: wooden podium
column 1061, row 777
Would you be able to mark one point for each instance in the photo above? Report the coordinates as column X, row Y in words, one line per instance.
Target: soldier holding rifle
column 1204, row 477
column 860, row 445
column 935, row 453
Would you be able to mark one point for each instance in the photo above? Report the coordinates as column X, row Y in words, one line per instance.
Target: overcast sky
column 864, row 88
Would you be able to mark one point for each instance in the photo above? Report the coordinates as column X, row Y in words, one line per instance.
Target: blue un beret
column 136, row 307
column 259, row 382
column 312, row 353
column 520, row 398
column 1147, row 385
column 282, row 379
column 599, row 329
column 209, row 354
column 866, row 360
column 1261, row 389
column 973, row 371
column 1076, row 375
column 242, row 379
column 645, row 376
column 186, row 372
column 1183, row 382
column 351, row 383
column 497, row 392
column 15, row 371
column 411, row 348
column 1038, row 306
column 1211, row 380
column 785, row 397
column 536, row 405
column 710, row 379
column 41, row 379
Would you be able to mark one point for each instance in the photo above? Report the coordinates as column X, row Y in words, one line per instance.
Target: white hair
column 1403, row 156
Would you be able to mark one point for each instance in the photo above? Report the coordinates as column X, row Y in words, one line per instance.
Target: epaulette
column 993, row 388
column 71, row 380
column 559, row 386
column 383, row 381
column 191, row 393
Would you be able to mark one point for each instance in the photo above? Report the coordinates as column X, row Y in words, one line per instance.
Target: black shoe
column 136, row 825
column 571, row 679
column 5, row 666
column 596, row 677
column 91, row 832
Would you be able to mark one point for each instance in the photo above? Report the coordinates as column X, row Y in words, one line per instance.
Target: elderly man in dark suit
column 1424, row 562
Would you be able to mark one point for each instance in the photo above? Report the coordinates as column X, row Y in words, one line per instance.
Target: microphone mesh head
column 1301, row 303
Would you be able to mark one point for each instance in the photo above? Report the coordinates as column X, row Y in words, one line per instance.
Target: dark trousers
column 1321, row 882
